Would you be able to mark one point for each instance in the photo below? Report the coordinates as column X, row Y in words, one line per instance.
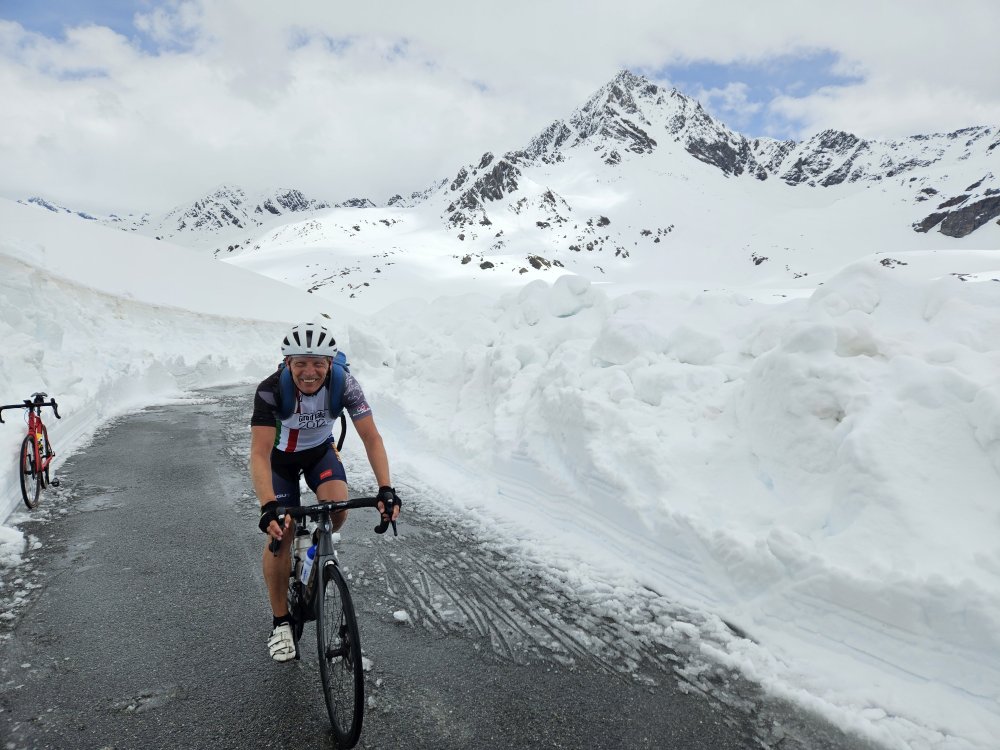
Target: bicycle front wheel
column 31, row 480
column 339, row 655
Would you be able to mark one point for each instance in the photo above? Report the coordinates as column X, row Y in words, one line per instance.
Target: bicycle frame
column 321, row 512
column 35, row 427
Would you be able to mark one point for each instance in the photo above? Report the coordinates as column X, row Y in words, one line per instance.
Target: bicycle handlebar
column 320, row 509
column 30, row 404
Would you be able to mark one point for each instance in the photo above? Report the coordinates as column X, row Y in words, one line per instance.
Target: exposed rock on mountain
column 356, row 203
column 969, row 218
column 228, row 206
column 489, row 183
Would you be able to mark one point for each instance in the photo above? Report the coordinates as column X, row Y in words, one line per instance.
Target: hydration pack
column 336, row 381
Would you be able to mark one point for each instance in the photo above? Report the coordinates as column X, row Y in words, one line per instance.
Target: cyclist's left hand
column 389, row 505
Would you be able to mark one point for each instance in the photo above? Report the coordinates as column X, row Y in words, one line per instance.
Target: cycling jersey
column 311, row 423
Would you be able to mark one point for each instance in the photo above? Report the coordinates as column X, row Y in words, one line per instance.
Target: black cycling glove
column 389, row 500
column 268, row 513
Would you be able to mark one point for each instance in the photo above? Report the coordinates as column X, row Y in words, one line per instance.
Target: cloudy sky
column 136, row 106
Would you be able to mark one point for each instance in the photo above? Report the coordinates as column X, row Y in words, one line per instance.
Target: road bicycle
column 322, row 595
column 36, row 452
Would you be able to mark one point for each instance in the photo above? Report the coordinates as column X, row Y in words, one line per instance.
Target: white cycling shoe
column 281, row 644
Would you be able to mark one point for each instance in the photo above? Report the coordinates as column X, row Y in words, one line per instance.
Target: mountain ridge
column 627, row 117
column 638, row 174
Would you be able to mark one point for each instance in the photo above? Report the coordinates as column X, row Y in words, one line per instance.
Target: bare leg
column 276, row 570
column 335, row 489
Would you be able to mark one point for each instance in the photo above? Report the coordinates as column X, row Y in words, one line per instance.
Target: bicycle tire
column 340, row 664
column 295, row 610
column 31, row 480
column 48, row 453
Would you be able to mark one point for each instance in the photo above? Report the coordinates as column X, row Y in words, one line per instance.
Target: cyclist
column 281, row 449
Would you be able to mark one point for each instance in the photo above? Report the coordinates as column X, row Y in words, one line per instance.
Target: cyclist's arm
column 261, row 444
column 375, row 448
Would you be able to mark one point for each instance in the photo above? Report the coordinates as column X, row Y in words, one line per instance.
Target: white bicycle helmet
column 309, row 339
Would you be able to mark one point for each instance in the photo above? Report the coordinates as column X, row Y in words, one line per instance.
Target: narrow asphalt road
column 138, row 620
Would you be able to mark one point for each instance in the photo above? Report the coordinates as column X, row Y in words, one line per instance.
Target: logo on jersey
column 326, row 474
column 313, row 420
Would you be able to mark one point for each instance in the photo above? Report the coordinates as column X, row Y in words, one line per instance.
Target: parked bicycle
column 318, row 591
column 36, row 452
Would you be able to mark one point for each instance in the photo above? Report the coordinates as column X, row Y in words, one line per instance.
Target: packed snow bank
column 105, row 323
column 822, row 473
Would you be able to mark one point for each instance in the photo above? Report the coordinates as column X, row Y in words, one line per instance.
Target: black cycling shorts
column 318, row 465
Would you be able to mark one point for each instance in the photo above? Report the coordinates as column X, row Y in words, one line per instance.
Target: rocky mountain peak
column 632, row 115
column 228, row 207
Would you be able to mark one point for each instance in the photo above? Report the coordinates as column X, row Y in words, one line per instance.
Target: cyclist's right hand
column 389, row 512
column 269, row 522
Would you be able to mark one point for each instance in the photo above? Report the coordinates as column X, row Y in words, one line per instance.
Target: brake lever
column 275, row 544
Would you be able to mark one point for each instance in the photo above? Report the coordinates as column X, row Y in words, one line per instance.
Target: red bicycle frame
column 36, row 428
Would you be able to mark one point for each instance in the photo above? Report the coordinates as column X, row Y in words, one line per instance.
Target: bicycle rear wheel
column 46, row 456
column 31, row 480
column 340, row 655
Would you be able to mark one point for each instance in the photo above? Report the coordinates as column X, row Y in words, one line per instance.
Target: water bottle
column 307, row 564
column 302, row 542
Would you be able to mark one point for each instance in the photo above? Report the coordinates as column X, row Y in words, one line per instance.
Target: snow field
column 822, row 473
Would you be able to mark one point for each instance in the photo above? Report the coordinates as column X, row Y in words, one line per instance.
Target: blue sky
column 50, row 17
column 739, row 94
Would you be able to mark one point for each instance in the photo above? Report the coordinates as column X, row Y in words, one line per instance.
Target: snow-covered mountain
column 112, row 219
column 640, row 182
column 214, row 216
column 229, row 207
column 631, row 118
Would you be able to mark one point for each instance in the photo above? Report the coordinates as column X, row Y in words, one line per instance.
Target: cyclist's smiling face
column 309, row 373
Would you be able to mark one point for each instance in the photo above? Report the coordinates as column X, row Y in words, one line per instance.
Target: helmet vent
column 309, row 339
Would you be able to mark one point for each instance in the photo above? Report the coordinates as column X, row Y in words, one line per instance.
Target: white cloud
column 887, row 109
column 374, row 98
column 730, row 103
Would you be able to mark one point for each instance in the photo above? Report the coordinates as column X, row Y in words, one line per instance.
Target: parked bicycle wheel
column 340, row 656
column 31, row 480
